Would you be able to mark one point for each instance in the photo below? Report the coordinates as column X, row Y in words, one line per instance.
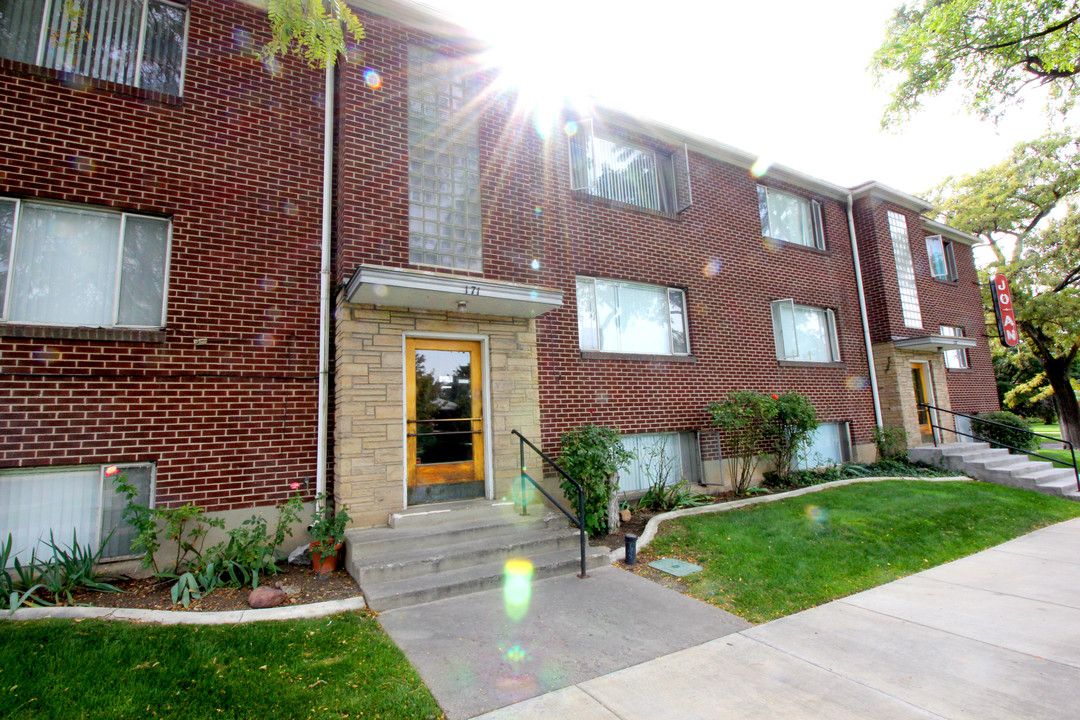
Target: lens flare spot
column 380, row 290
column 241, row 38
column 818, row 518
column 372, row 79
column 515, row 654
column 268, row 283
column 45, row 355
column 713, row 267
column 81, row 164
column 539, row 210
column 772, row 245
column 535, row 264
column 289, row 208
column 273, row 312
column 857, row 382
column 75, row 82
column 272, row 65
column 266, row 339
column 760, row 167
column 570, row 128
column 517, row 587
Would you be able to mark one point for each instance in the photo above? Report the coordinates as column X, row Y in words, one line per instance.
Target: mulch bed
column 153, row 593
column 638, row 521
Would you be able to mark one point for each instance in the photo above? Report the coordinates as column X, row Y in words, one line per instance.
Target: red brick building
column 162, row 220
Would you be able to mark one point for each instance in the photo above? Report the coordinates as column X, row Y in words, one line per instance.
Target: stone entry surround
column 897, row 392
column 369, row 413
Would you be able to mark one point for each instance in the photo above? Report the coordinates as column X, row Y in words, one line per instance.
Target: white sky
column 786, row 79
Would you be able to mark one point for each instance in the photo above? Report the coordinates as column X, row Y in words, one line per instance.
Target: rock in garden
column 266, row 597
column 624, row 516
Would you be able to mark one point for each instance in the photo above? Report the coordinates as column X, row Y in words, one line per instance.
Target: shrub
column 592, row 455
column 793, row 427
column 891, row 442
column 745, row 416
column 1016, row 434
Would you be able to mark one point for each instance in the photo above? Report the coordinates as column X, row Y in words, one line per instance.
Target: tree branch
column 1042, row 33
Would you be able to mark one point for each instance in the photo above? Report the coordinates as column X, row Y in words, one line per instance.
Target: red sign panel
column 1003, row 308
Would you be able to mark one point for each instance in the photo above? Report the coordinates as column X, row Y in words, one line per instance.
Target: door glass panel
column 444, row 431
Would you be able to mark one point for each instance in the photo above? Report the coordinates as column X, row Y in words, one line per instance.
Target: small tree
column 745, row 416
column 592, row 455
column 794, row 426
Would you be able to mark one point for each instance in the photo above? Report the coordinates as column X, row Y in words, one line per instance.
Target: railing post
column 581, row 528
column 1076, row 470
column 521, row 465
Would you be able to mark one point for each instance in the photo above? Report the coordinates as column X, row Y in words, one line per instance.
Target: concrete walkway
column 994, row 635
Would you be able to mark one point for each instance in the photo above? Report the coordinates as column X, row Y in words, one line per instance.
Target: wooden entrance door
column 919, row 381
column 444, row 420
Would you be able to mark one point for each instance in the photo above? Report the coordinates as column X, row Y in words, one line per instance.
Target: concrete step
column 1062, row 487
column 426, row 516
column 378, row 541
column 399, row 565
column 998, row 465
column 428, row 588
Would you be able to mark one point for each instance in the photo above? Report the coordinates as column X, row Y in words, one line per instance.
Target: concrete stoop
column 998, row 465
column 449, row 549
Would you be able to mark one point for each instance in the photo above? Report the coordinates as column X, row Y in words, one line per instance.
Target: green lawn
column 774, row 559
column 1061, row 458
column 336, row 667
column 1047, row 430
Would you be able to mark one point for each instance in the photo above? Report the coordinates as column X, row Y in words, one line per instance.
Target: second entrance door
column 444, row 420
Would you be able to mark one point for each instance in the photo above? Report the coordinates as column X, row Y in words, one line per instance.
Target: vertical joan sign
column 1003, row 308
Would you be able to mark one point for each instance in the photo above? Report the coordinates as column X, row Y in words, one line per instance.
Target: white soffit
column 933, row 343
column 949, row 233
column 425, row 290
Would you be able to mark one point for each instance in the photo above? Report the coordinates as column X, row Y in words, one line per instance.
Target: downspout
column 324, row 282
column 862, row 310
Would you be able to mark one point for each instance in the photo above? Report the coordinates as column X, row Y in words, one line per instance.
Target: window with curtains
column 954, row 359
column 804, row 333
column 68, row 265
column 78, row 503
column 942, row 262
column 627, row 317
column 131, row 42
column 671, row 456
column 623, row 172
column 829, row 445
column 790, row 218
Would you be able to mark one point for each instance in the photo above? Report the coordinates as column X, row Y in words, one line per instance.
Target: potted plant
column 328, row 530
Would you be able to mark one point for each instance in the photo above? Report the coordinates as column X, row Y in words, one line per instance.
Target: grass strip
column 342, row 666
column 771, row 560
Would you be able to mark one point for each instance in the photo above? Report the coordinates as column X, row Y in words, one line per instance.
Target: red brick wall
column 237, row 165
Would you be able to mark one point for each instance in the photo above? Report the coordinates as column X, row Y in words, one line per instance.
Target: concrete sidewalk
column 994, row 635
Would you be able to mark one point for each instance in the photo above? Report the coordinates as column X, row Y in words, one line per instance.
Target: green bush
column 745, row 416
column 881, row 468
column 1017, row 434
column 592, row 455
column 793, row 427
column 891, row 442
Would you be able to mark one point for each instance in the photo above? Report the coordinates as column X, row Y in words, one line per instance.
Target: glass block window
column 444, row 163
column 905, row 270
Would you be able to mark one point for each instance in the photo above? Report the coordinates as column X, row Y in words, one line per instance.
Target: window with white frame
column 444, row 163
column 667, row 457
column 131, row 42
column 67, row 265
column 954, row 359
column 804, row 333
column 830, row 444
column 905, row 270
column 942, row 262
column 623, row 172
column 625, row 317
column 790, row 218
column 74, row 504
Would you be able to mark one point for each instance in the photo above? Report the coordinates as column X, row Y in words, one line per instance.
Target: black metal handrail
column 1072, row 450
column 578, row 521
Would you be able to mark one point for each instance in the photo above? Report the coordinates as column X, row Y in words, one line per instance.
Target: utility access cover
column 678, row 568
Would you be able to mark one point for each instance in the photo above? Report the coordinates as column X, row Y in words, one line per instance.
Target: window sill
column 796, row 246
column 943, row 281
column 82, row 333
column 72, row 80
column 958, row 370
column 587, row 197
column 636, row 357
column 802, row 363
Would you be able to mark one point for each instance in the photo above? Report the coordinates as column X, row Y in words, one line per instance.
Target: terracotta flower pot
column 325, row 564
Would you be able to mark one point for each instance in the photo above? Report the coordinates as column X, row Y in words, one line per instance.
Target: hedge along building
column 481, row 277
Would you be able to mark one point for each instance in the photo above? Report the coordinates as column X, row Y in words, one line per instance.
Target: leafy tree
column 793, row 427
column 995, row 50
column 592, row 455
column 316, row 30
column 746, row 416
column 1027, row 208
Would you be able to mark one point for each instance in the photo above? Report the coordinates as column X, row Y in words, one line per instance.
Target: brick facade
column 224, row 398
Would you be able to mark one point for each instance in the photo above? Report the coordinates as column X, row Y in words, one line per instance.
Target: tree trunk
column 613, row 503
column 1057, row 373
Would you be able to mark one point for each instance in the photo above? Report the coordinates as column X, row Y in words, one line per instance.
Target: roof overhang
column 892, row 195
column 933, row 343
column 426, row 290
column 935, row 228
